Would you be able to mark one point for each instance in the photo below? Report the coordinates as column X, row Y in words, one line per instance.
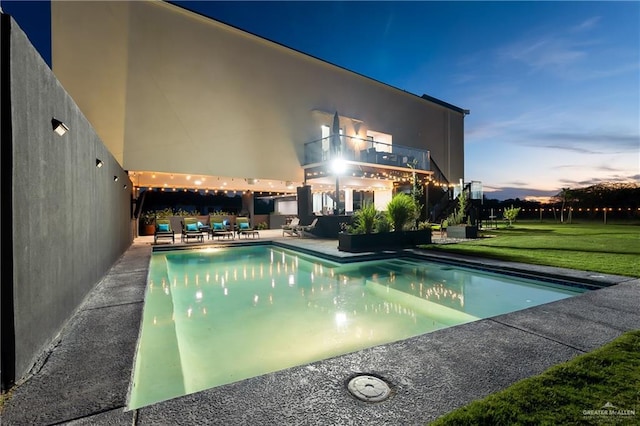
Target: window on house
column 380, row 141
column 326, row 142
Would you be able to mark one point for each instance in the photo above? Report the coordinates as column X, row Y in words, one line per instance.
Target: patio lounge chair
column 244, row 228
column 308, row 229
column 190, row 229
column 204, row 228
column 220, row 230
column 292, row 227
column 163, row 230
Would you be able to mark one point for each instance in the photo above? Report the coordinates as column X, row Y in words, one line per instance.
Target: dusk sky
column 553, row 87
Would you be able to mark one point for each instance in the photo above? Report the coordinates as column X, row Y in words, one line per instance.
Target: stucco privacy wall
column 204, row 97
column 71, row 220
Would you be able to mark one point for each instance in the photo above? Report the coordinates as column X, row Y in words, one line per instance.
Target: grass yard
column 611, row 249
column 601, row 387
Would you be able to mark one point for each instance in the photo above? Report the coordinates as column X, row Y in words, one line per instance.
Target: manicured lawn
column 576, row 391
column 601, row 387
column 611, row 249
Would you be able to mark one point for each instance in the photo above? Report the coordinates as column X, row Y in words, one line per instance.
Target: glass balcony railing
column 365, row 151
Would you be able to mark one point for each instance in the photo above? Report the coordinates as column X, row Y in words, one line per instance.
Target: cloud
column 519, row 183
column 572, row 148
column 487, row 129
column 614, row 178
column 586, row 25
column 532, row 190
column 603, row 168
column 586, row 143
column 587, row 74
column 463, row 78
column 553, row 53
column 493, row 126
column 575, row 53
column 508, row 192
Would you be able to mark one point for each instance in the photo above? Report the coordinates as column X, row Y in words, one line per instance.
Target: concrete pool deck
column 84, row 377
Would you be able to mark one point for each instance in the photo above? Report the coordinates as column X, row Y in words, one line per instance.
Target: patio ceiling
column 177, row 181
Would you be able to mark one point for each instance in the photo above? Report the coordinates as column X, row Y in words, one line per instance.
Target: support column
column 336, row 209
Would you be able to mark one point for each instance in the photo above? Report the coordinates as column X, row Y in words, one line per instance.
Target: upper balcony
column 365, row 151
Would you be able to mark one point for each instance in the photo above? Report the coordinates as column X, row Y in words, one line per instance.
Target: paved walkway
column 84, row 377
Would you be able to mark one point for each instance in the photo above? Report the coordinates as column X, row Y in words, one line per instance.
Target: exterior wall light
column 59, row 127
column 124, row 186
column 99, row 163
column 115, row 178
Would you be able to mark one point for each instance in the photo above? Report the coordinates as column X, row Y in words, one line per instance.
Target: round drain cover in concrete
column 369, row 388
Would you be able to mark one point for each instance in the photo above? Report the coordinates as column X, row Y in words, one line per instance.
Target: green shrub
column 182, row 212
column 164, row 213
column 148, row 217
column 402, row 211
column 457, row 217
column 364, row 220
column 511, row 214
column 383, row 223
column 424, row 225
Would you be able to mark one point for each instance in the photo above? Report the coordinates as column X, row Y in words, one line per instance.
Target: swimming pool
column 218, row 315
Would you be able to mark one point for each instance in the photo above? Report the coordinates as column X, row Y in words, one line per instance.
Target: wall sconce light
column 115, row 178
column 124, row 186
column 99, row 163
column 59, row 127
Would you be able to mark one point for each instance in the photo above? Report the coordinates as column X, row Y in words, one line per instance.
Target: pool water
column 218, row 315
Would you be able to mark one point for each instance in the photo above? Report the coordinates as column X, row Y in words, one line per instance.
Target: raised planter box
column 462, row 231
column 354, row 243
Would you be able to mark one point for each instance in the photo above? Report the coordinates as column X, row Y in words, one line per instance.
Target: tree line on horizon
column 619, row 197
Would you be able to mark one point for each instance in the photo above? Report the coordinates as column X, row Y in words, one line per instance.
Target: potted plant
column 148, row 222
column 403, row 212
column 371, row 230
column 456, row 225
column 359, row 234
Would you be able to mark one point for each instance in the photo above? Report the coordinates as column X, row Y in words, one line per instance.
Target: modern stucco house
column 175, row 94
column 152, row 94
